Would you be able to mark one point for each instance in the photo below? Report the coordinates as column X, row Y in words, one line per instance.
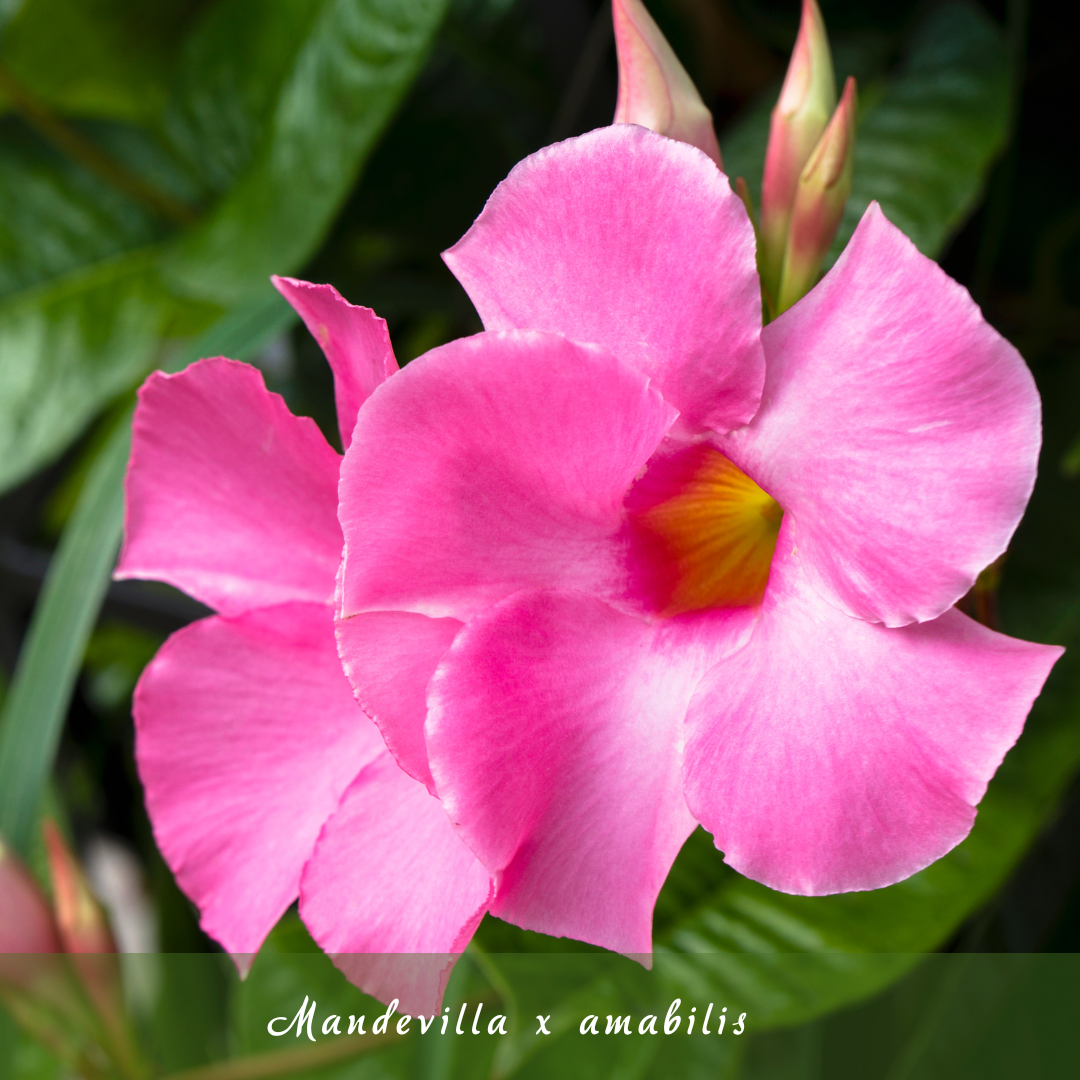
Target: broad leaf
column 344, row 83
column 71, row 345
column 231, row 166
column 101, row 58
column 924, row 148
column 958, row 1016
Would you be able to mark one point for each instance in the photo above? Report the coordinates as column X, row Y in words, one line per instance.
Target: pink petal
column 491, row 464
column 246, row 737
column 833, row 754
column 899, row 431
column 389, row 876
column 389, row 658
column 229, row 496
column 636, row 242
column 554, row 731
column 354, row 339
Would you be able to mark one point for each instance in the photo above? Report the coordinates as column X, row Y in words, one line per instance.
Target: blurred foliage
column 232, row 135
column 157, row 165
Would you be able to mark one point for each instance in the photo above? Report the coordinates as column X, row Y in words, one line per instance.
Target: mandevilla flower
column 264, row 780
column 692, row 570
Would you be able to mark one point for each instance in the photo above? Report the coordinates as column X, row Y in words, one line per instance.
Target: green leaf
column 103, row 58
column 37, row 702
column 71, row 346
column 924, row 149
column 928, row 132
column 345, row 81
column 957, row 1016
column 21, row 1058
column 188, row 1027
column 55, row 216
column 270, row 112
column 288, row 969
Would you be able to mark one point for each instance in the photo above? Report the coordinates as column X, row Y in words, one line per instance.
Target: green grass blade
column 75, row 586
column 63, row 618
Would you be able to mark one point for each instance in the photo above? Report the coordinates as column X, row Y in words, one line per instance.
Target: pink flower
column 264, row 780
column 698, row 571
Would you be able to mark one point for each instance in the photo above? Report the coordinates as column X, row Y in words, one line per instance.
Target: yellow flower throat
column 714, row 536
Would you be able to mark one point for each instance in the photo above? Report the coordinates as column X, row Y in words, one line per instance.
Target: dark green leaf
column 269, row 113
column 958, row 1016
column 72, row 345
column 103, row 58
column 923, row 150
column 55, row 216
column 343, row 84
column 189, row 1025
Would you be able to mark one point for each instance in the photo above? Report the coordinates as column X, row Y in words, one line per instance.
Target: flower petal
column 246, row 737
column 833, row 754
column 229, row 496
column 636, row 242
column 898, row 430
column 491, row 464
column 554, row 733
column 389, row 658
column 390, row 876
column 354, row 339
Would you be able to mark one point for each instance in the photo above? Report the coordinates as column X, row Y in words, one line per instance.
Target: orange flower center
column 708, row 531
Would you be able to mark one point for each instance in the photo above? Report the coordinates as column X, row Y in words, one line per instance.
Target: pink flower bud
column 79, row 917
column 823, row 191
column 25, row 923
column 654, row 88
column 798, row 120
column 84, row 933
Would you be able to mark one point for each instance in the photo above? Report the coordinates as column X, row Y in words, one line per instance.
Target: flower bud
column 824, row 187
column 801, row 115
column 85, row 935
column 654, row 88
column 26, row 926
column 79, row 917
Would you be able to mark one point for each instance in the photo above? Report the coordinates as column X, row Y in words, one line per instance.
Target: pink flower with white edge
column 264, row 780
column 698, row 571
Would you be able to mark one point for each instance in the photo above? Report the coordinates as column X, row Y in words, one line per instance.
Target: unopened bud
column 85, row 935
column 823, row 192
column 79, row 917
column 26, row 925
column 800, row 117
column 654, row 88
